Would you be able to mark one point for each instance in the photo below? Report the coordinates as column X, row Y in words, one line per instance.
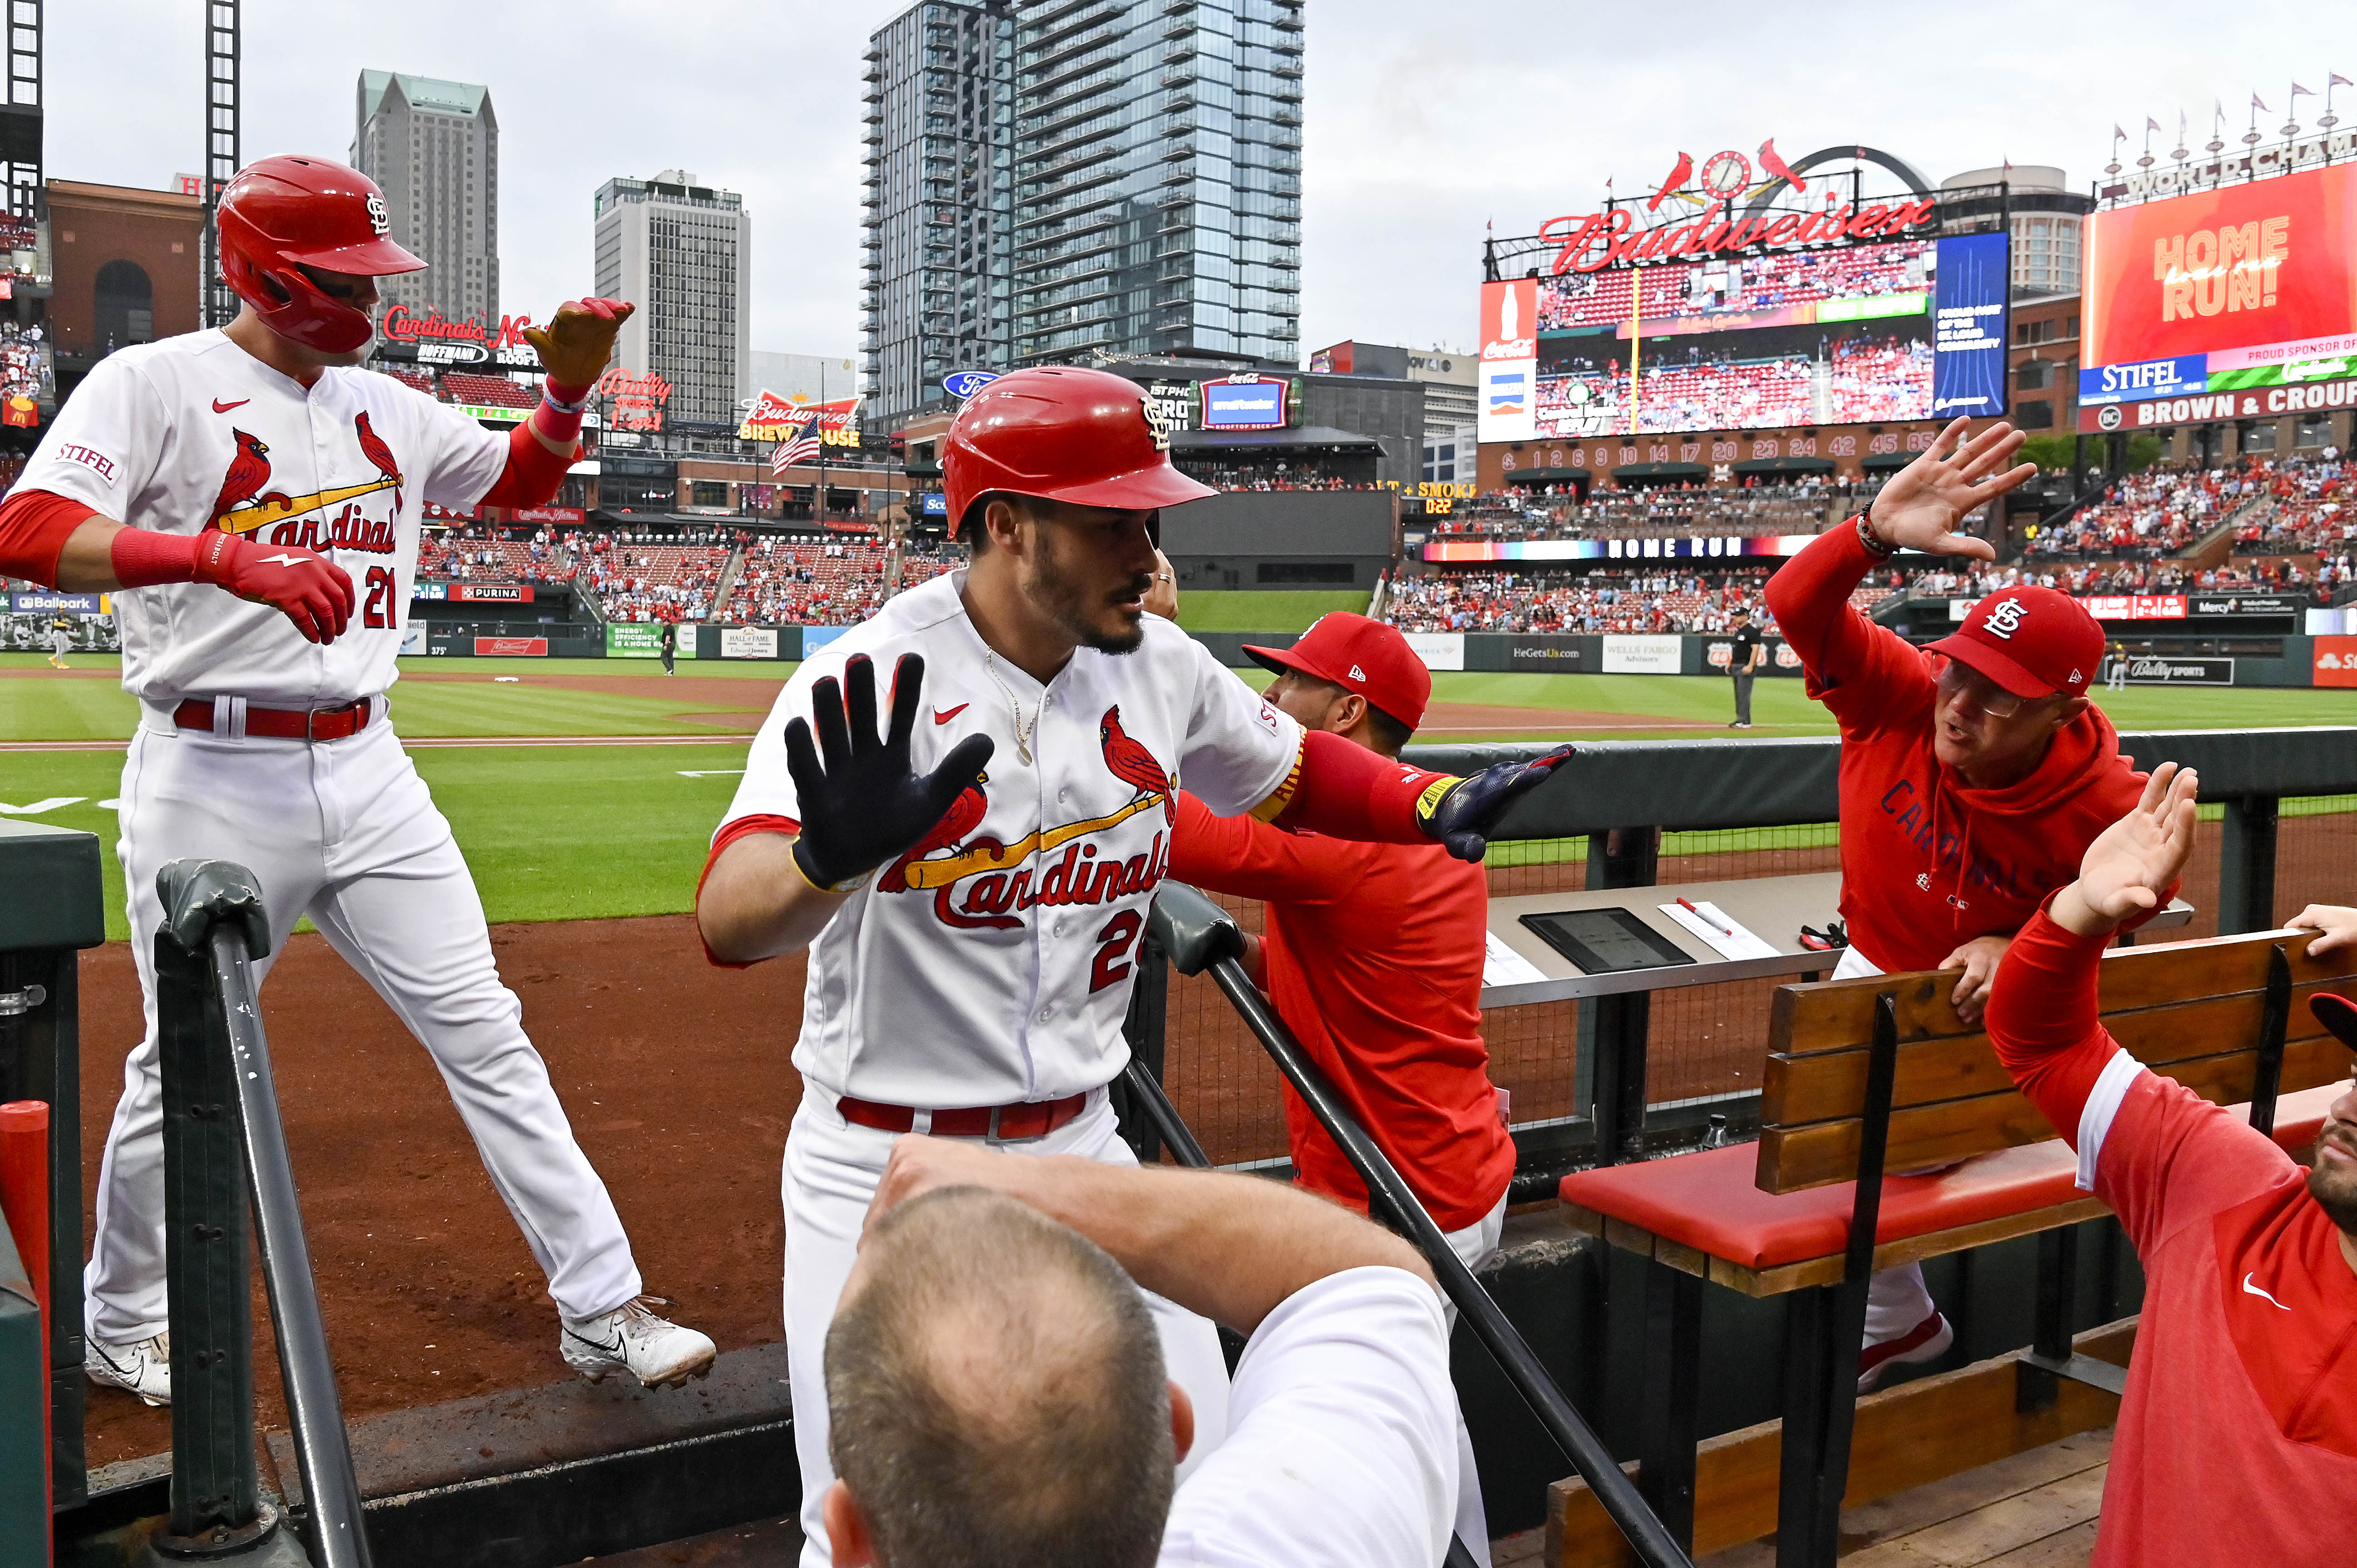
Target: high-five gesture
column 1925, row 502
column 574, row 346
column 861, row 802
column 2129, row 864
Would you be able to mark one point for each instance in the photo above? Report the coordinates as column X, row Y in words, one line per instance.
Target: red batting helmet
column 1063, row 433
column 279, row 215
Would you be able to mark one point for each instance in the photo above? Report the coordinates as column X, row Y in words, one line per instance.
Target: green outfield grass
column 1275, row 610
column 575, row 832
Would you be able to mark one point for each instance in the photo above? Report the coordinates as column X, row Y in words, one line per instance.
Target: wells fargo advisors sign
column 776, row 418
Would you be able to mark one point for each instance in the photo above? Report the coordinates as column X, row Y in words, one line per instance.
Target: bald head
column 995, row 1393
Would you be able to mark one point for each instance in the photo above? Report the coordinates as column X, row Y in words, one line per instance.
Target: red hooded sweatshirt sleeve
column 1929, row 863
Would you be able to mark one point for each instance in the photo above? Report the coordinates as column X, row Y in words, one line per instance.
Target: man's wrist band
column 1874, row 543
column 548, row 395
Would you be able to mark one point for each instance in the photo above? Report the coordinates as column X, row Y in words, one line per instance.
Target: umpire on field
column 1744, row 656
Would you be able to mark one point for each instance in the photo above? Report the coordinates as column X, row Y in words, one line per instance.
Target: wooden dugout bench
column 1877, row 1073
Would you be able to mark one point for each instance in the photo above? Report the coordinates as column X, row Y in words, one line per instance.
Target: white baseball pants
column 1474, row 1246
column 831, row 1167
column 345, row 832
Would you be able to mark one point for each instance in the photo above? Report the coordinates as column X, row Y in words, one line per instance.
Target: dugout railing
column 1615, row 1078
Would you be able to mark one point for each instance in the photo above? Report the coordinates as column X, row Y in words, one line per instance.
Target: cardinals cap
column 2034, row 643
column 1358, row 655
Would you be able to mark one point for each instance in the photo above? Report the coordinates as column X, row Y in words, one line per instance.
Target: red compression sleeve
column 1344, row 790
column 2045, row 1022
column 535, row 474
column 33, row 528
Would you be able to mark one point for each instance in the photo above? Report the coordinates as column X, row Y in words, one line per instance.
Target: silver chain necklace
column 1022, row 735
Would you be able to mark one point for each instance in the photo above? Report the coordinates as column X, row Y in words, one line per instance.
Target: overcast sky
column 1421, row 121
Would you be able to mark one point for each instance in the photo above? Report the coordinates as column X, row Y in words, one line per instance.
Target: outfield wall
column 1483, row 651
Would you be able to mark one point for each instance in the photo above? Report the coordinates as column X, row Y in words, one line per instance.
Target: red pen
column 1687, row 904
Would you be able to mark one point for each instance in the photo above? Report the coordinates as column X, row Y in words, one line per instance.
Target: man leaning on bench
column 2236, row 1437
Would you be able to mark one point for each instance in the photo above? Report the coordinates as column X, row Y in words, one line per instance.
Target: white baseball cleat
column 632, row 1339
column 145, row 1369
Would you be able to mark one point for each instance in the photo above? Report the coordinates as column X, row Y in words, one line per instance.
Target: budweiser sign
column 1703, row 220
column 774, row 417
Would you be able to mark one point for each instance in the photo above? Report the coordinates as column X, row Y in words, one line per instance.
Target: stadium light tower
column 20, row 116
column 217, row 305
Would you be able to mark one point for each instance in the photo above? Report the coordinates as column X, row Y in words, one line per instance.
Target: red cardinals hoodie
column 1928, row 862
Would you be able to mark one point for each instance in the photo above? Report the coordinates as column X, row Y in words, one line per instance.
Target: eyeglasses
column 1960, row 681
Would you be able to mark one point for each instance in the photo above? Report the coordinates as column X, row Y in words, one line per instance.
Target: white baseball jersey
column 178, row 434
column 1341, row 1445
column 992, row 962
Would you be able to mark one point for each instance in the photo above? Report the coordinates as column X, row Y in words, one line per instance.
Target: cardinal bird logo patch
column 330, row 518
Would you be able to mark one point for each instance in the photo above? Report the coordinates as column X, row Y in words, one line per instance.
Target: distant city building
column 434, row 148
column 1449, row 378
column 1149, row 166
column 682, row 253
column 2041, row 212
column 938, row 272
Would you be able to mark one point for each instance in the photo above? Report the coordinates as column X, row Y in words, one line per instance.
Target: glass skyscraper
column 1143, row 197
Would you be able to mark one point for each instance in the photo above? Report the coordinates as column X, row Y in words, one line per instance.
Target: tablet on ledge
column 1605, row 941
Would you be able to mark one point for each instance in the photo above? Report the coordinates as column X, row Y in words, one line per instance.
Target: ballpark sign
column 433, row 339
column 777, row 418
column 2262, row 402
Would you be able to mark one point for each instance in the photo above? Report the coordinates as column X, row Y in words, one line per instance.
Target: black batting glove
column 1462, row 815
column 862, row 804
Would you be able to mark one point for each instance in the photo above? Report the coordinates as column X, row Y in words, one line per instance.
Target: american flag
column 800, row 447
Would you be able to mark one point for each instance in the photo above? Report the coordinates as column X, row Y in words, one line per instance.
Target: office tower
column 682, row 253
column 938, row 271
column 434, row 146
column 1050, row 181
column 1158, row 184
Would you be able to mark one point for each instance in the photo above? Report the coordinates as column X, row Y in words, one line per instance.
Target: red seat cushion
column 1708, row 1200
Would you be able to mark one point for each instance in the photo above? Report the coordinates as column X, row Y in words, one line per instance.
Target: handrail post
column 219, row 1088
column 217, row 1502
column 2247, row 864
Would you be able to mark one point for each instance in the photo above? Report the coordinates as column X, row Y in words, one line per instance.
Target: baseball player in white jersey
column 258, row 460
column 972, row 885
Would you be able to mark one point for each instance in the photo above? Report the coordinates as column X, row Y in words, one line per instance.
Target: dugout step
column 534, row 1478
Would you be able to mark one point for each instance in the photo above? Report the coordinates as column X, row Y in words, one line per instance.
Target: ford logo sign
column 965, row 383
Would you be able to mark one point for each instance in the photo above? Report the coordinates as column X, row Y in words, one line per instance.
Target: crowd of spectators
column 1658, row 511
column 1769, row 282
column 2156, row 513
column 2311, row 507
column 1647, row 599
column 834, row 583
column 1880, row 378
column 25, row 368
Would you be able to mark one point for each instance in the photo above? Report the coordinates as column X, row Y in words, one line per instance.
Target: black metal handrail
column 221, row 1107
column 1201, row 938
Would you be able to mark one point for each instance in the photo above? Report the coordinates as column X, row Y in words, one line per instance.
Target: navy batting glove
column 862, row 803
column 1462, row 815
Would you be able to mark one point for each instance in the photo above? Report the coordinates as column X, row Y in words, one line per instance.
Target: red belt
column 284, row 724
column 1024, row 1120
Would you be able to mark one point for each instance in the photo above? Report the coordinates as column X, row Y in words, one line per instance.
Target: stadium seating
column 422, row 379
column 2148, row 515
column 1655, row 513
column 2310, row 505
column 789, row 582
column 488, row 392
column 1561, row 601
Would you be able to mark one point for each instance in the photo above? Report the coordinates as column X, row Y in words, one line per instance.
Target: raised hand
column 2133, row 860
column 576, row 345
column 1925, row 502
column 862, row 804
column 1462, row 815
column 312, row 591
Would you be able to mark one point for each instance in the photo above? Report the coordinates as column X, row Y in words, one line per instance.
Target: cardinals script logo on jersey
column 245, row 506
column 999, row 881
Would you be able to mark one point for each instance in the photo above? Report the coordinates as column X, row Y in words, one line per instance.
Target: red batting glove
column 315, row 593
